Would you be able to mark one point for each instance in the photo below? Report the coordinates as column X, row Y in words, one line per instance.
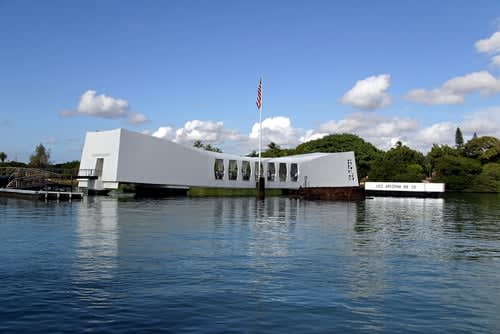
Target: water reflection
column 269, row 223
column 96, row 250
column 375, row 227
column 385, row 221
column 273, row 229
column 386, row 264
column 474, row 215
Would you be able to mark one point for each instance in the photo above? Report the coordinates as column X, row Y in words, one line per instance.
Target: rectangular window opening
column 233, row 170
column 294, row 172
column 219, row 169
column 271, row 171
column 282, row 172
column 246, row 171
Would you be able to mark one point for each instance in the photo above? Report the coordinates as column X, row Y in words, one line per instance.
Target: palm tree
column 198, row 144
column 273, row 146
column 3, row 156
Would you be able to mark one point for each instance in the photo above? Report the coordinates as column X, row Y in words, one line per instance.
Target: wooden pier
column 41, row 194
column 38, row 184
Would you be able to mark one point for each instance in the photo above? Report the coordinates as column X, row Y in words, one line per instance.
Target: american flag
column 259, row 95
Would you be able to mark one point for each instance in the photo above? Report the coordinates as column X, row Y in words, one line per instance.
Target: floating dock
column 41, row 194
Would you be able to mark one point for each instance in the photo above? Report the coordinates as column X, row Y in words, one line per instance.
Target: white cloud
column 488, row 45
column 164, row 132
column 312, row 135
column 275, row 129
column 484, row 122
column 496, row 60
column 278, row 130
column 350, row 124
column 438, row 133
column 381, row 131
column 137, row 118
column 104, row 106
column 434, row 96
column 384, row 132
column 482, row 81
column 205, row 131
column 371, row 125
column 454, row 90
column 370, row 93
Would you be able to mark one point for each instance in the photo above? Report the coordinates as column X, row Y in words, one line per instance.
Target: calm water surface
column 241, row 265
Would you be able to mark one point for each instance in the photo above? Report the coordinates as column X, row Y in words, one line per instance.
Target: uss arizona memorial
column 121, row 156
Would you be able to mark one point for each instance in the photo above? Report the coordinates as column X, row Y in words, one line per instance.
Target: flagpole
column 261, row 182
column 260, row 135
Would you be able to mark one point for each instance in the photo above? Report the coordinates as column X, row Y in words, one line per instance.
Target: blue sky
column 186, row 70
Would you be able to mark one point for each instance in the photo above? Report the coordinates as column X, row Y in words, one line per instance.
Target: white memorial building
column 121, row 156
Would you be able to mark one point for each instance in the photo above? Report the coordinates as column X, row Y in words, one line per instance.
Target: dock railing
column 36, row 178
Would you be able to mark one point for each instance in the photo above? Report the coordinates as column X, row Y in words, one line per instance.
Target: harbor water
column 278, row 265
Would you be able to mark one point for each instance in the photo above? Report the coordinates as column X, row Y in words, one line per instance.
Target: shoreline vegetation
column 472, row 166
column 228, row 192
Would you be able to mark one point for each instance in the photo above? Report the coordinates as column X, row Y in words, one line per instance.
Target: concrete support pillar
column 261, row 187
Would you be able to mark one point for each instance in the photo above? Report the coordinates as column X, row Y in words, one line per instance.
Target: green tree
column 198, row 144
column 457, row 172
column 40, row 159
column 14, row 164
column 69, row 167
column 3, row 156
column 414, row 173
column 436, row 153
column 365, row 152
column 488, row 180
column 211, row 148
column 459, row 138
column 399, row 164
column 274, row 150
column 75, row 164
column 486, row 149
column 207, row 147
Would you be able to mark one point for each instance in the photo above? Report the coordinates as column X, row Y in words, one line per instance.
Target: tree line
column 472, row 166
column 40, row 158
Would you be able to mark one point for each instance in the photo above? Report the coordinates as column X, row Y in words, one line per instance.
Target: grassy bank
column 229, row 192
